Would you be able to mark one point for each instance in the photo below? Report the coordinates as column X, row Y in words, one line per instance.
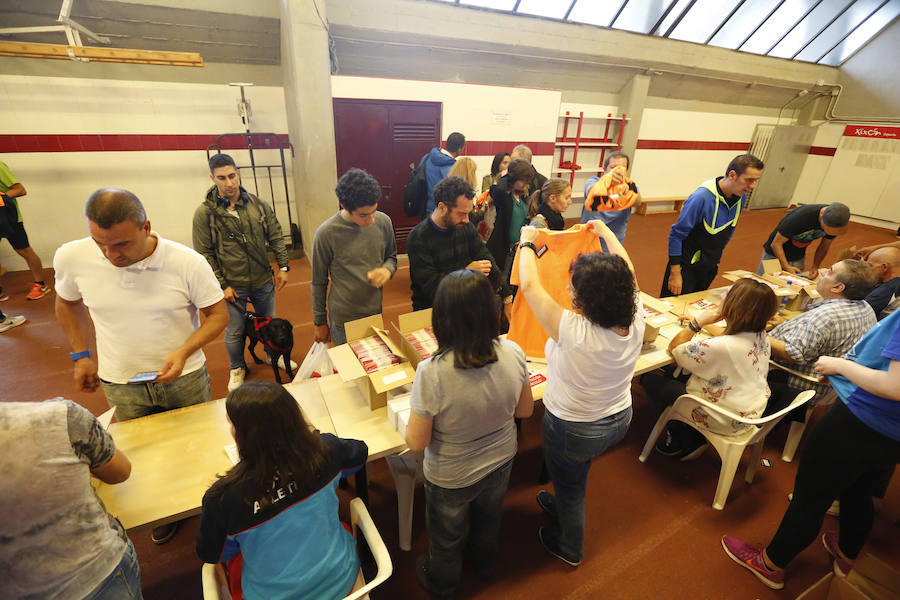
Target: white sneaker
column 281, row 363
column 236, row 378
column 10, row 322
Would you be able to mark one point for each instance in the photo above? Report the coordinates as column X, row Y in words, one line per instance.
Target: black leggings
column 844, row 459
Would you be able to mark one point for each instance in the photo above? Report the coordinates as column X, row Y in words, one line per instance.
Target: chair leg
column 404, row 470
column 731, row 458
column 793, row 440
column 654, row 435
column 755, row 456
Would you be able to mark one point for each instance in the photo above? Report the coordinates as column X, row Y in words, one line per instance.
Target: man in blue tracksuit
column 440, row 161
column 705, row 225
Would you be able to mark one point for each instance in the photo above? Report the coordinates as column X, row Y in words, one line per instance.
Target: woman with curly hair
column 591, row 355
column 729, row 370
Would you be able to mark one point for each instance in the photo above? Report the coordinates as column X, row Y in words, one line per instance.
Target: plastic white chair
column 797, row 428
column 215, row 586
column 729, row 447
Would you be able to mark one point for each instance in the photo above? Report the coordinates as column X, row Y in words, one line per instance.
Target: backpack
column 415, row 194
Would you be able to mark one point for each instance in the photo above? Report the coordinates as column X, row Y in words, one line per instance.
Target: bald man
column 886, row 264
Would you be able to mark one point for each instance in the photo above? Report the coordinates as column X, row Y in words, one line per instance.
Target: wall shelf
column 613, row 129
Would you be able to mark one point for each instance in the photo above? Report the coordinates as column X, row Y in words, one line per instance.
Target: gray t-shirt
column 473, row 431
column 58, row 540
column 344, row 253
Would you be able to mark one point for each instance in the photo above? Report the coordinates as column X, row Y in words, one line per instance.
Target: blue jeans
column 124, row 583
column 465, row 518
column 134, row 400
column 569, row 449
column 338, row 335
column 799, row 263
column 263, row 301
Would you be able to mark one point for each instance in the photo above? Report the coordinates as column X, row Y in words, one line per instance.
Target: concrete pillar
column 632, row 99
column 813, row 110
column 306, row 68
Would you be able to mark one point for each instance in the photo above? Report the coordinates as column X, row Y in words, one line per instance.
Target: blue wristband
column 79, row 355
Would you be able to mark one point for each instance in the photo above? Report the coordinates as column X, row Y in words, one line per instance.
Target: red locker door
column 385, row 137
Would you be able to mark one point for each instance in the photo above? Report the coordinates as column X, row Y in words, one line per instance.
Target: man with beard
column 447, row 242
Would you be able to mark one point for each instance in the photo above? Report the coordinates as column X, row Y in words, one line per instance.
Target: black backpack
column 415, row 194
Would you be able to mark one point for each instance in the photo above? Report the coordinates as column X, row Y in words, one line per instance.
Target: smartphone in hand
column 144, row 377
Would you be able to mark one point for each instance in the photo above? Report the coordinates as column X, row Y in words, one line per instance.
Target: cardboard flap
column 345, row 362
column 414, row 321
column 383, row 335
column 359, row 328
column 771, row 265
column 387, row 379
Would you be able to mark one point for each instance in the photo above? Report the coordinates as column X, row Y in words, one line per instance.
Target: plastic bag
column 316, row 363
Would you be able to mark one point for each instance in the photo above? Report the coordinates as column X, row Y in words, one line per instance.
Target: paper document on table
column 232, row 452
column 106, row 418
column 656, row 355
column 670, row 331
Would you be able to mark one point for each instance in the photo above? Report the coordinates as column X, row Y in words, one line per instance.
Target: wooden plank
column 98, row 54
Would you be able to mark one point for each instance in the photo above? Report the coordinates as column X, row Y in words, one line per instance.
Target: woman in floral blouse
column 728, row 370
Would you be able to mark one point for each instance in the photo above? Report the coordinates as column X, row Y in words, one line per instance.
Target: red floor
column 651, row 532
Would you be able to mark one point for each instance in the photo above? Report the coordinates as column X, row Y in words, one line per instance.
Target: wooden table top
column 176, row 455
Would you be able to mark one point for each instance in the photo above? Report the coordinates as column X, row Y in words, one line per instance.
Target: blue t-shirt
column 876, row 349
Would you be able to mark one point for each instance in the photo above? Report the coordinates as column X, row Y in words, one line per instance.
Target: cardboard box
column 374, row 386
column 870, row 579
column 658, row 316
column 778, row 286
column 408, row 323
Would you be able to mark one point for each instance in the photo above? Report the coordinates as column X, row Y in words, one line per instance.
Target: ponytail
column 534, row 203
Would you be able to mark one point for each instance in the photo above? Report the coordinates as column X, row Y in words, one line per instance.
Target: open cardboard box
column 658, row 316
column 412, row 322
column 870, row 579
column 805, row 289
column 374, row 386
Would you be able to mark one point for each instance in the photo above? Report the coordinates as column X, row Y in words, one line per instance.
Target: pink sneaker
column 752, row 559
column 842, row 566
column 38, row 290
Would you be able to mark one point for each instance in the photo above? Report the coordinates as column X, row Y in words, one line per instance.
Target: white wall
column 664, row 173
column 170, row 183
column 527, row 114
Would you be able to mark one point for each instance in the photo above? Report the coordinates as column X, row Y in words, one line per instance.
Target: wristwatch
column 76, row 356
column 529, row 245
column 694, row 326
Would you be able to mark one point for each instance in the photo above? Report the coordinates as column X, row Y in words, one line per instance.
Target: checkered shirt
column 829, row 328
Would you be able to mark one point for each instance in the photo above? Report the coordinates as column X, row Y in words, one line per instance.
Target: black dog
column 277, row 337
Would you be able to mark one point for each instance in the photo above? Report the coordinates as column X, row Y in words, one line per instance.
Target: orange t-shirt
column 563, row 247
column 606, row 196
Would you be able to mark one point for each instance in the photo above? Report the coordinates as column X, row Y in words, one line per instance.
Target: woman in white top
column 729, row 370
column 591, row 355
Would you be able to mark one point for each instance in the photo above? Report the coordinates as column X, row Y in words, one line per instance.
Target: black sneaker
column 550, row 541
column 547, row 502
column 164, row 533
column 666, row 445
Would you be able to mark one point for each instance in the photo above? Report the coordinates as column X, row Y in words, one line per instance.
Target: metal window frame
column 857, row 26
column 725, row 20
column 795, row 25
column 761, row 23
column 822, row 30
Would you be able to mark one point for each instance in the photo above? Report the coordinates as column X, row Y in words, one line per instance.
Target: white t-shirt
column 589, row 370
column 728, row 370
column 142, row 312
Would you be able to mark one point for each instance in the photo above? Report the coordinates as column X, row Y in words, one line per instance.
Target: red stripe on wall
column 130, row 142
column 691, row 145
column 822, row 150
column 488, row 148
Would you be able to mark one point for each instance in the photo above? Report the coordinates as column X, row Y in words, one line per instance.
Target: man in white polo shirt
column 144, row 295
